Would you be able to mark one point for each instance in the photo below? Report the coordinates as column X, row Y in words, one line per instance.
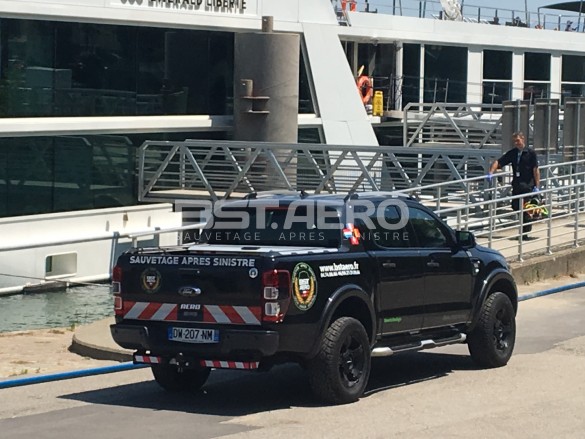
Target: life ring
column 365, row 88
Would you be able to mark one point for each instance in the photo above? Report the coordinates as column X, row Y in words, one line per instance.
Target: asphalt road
column 432, row 394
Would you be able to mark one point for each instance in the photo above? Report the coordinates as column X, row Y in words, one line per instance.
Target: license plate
column 193, row 335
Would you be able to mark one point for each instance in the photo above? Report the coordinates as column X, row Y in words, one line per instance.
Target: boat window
column 497, row 76
column 445, row 76
column 536, row 76
column 573, row 76
column 411, row 71
column 536, row 66
column 54, row 68
column 497, row 64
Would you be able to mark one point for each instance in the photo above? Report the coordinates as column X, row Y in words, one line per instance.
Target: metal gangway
column 450, row 181
column 463, row 124
column 215, row 169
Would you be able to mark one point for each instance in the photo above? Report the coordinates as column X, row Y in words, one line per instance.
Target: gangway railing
column 470, row 125
column 496, row 225
column 217, row 170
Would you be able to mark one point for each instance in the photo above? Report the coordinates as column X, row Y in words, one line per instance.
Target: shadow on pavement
column 407, row 369
column 231, row 393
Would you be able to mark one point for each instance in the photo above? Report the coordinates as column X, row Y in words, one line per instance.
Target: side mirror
column 465, row 238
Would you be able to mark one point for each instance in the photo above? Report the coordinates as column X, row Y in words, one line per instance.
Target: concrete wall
column 564, row 263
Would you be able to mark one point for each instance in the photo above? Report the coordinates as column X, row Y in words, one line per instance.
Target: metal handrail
column 472, row 13
column 556, row 233
column 113, row 236
column 471, row 125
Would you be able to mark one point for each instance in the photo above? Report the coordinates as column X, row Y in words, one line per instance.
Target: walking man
column 526, row 175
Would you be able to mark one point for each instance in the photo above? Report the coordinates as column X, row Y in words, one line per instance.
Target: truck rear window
column 274, row 226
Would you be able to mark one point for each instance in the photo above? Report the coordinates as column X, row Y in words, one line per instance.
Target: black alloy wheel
column 351, row 360
column 340, row 371
column 503, row 330
column 491, row 342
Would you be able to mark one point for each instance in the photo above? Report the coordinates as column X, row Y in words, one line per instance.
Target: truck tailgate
column 191, row 287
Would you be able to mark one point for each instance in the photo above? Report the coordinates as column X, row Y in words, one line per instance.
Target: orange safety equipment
column 352, row 5
column 365, row 88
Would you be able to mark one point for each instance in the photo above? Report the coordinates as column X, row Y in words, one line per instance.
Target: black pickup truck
column 328, row 281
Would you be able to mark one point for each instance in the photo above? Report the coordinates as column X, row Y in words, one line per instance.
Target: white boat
column 83, row 83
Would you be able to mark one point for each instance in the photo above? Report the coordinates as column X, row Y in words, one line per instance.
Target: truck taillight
column 118, row 305
column 275, row 294
column 117, row 274
column 116, row 279
column 117, row 290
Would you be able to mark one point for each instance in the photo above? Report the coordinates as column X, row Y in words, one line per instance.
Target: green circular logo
column 304, row 283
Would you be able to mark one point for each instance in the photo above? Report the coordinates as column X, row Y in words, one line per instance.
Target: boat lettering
column 216, row 4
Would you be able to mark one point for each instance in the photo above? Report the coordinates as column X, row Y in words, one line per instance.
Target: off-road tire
column 171, row 379
column 492, row 340
column 339, row 372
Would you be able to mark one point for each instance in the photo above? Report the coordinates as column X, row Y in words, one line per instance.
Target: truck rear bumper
column 233, row 344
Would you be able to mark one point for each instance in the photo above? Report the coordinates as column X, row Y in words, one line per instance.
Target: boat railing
column 542, row 18
column 477, row 126
column 399, row 91
column 114, row 237
column 468, row 125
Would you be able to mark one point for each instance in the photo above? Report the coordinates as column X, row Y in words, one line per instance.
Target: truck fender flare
column 495, row 276
column 334, row 301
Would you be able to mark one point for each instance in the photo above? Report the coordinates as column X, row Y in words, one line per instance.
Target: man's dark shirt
column 522, row 169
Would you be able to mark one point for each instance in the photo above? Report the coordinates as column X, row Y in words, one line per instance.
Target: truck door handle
column 388, row 265
column 433, row 264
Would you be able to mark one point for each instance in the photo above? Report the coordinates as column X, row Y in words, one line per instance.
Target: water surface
column 56, row 309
